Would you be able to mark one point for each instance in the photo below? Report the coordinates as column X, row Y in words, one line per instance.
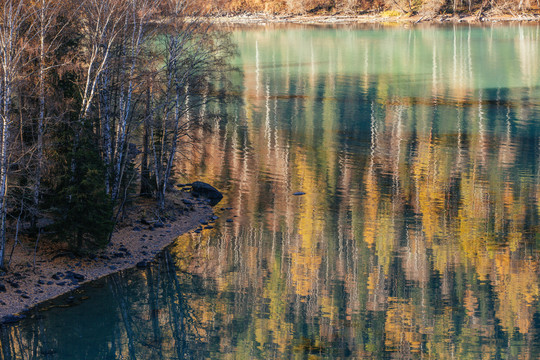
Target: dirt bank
column 133, row 244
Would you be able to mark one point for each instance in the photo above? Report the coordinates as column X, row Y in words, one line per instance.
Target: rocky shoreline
column 366, row 19
column 52, row 273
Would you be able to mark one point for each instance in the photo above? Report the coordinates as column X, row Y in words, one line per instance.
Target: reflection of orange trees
column 402, row 332
column 516, row 285
column 440, row 189
column 305, row 249
column 371, row 207
column 430, row 173
column 474, row 215
column 491, row 222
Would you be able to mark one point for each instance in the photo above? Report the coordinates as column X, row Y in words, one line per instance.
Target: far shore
column 55, row 272
column 366, row 19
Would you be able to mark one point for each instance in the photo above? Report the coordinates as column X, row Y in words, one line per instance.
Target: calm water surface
column 417, row 238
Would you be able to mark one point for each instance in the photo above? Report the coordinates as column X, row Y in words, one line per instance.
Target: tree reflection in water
column 130, row 315
column 418, row 233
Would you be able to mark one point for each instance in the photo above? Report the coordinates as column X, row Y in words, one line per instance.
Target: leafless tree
column 15, row 33
column 47, row 35
column 193, row 53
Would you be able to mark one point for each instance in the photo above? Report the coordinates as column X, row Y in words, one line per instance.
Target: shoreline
column 133, row 245
column 371, row 19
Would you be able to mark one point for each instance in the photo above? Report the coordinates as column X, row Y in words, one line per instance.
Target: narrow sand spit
column 56, row 272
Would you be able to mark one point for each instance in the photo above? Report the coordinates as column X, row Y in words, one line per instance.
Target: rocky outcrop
column 201, row 189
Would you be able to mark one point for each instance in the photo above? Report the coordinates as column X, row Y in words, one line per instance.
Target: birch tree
column 193, row 54
column 82, row 209
column 14, row 35
column 136, row 33
column 101, row 25
column 44, row 17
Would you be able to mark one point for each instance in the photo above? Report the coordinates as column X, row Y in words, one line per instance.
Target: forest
column 94, row 97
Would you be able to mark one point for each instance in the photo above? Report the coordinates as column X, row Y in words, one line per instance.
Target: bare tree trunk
column 46, row 11
column 138, row 24
column 146, row 189
column 106, row 127
column 12, row 45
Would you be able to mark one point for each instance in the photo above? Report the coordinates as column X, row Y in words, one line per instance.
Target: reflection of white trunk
column 257, row 68
column 267, row 116
column 459, row 162
column 398, row 138
column 454, row 57
column 312, row 64
column 374, row 139
column 481, row 130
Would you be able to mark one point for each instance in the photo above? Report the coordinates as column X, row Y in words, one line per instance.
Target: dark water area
column 418, row 150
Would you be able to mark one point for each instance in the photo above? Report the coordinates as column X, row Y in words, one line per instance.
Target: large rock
column 10, row 319
column 201, row 189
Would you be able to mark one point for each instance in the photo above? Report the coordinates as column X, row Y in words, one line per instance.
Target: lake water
column 418, row 150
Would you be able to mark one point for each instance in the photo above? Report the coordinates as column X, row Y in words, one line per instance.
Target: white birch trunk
column 12, row 17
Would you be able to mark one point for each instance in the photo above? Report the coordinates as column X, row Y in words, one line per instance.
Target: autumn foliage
column 410, row 7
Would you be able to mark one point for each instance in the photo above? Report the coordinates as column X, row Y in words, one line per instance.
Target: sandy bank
column 56, row 273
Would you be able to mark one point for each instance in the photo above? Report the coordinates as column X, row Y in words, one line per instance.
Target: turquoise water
column 418, row 150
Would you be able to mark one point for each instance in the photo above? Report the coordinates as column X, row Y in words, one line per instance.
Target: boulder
column 142, row 264
column 10, row 319
column 201, row 189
